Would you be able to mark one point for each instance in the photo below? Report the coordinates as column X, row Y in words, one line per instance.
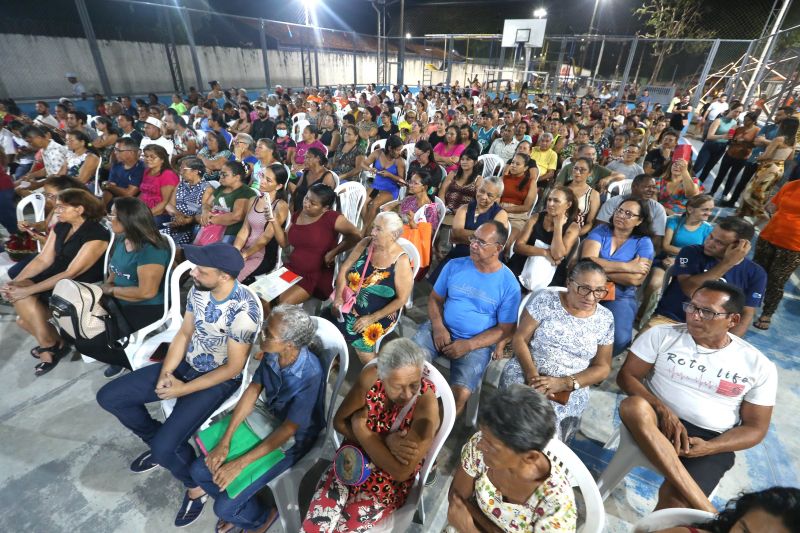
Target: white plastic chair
column 352, row 196
column 285, row 487
column 667, row 518
column 413, row 256
column 168, row 405
column 97, row 190
column 410, row 155
column 400, row 519
column 492, row 165
column 620, row 188
column 297, row 117
column 297, row 129
column 37, row 201
column 442, row 209
column 627, row 457
column 380, row 143
column 336, row 179
column 141, row 356
column 340, row 114
column 214, row 183
column 579, row 476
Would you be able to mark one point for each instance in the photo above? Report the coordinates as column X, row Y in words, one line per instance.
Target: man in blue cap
column 202, row 369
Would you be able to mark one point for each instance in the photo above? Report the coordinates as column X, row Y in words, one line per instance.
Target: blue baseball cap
column 219, row 255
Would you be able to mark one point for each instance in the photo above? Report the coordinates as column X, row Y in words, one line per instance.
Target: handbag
column 211, row 233
column 82, row 311
column 351, row 465
column 538, row 271
column 348, row 294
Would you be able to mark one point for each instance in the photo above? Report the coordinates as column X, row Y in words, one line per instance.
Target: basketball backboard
column 528, row 32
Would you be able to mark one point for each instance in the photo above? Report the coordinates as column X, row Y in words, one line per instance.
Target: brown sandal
column 763, row 323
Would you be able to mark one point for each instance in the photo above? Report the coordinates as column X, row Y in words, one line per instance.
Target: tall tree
column 671, row 19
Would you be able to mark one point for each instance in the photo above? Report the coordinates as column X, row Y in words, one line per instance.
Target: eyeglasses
column 702, row 312
column 585, row 290
column 624, row 213
column 580, row 169
column 61, row 207
column 480, row 242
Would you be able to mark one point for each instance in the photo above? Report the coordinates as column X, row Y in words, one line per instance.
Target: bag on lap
column 80, row 310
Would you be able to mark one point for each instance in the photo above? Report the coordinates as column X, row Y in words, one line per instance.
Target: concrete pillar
column 264, row 55
column 98, row 59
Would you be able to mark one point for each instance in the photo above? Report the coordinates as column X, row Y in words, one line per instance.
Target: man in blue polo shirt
column 472, row 307
column 126, row 174
column 723, row 256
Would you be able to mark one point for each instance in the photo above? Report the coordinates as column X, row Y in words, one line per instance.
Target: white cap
column 70, row 75
column 153, row 121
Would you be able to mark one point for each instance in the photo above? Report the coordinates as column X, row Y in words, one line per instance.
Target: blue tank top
column 473, row 223
column 382, row 183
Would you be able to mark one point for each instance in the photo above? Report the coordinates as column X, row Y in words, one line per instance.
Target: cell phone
column 267, row 206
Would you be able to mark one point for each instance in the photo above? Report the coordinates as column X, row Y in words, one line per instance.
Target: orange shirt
column 511, row 193
column 783, row 229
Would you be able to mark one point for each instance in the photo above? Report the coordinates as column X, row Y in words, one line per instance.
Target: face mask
column 282, row 133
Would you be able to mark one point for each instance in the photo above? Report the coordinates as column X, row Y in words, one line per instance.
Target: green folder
column 244, row 440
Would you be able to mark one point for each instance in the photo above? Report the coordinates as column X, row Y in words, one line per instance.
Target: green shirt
column 180, row 107
column 243, row 192
column 125, row 265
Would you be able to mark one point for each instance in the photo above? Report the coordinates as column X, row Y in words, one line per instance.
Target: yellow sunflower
column 372, row 333
column 352, row 280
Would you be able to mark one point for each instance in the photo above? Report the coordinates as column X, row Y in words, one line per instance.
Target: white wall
column 34, row 67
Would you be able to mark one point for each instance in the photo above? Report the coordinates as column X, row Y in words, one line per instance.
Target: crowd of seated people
column 237, row 190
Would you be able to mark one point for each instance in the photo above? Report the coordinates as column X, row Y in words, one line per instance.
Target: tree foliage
column 672, row 19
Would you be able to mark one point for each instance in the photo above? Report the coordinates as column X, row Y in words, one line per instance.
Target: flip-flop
column 221, row 523
column 763, row 323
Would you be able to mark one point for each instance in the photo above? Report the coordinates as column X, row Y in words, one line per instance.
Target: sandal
column 58, row 352
column 763, row 323
column 220, row 527
column 36, row 352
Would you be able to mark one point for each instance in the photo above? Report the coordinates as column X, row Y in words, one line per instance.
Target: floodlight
column 540, row 13
column 408, row 36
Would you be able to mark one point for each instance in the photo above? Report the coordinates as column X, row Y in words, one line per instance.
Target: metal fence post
column 701, row 83
column 264, row 58
column 733, row 83
column 500, row 63
column 560, row 61
column 599, row 59
column 628, row 65
column 98, row 59
column 449, row 57
column 187, row 26
column 316, row 66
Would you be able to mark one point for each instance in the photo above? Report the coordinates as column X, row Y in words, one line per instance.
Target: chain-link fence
column 112, row 52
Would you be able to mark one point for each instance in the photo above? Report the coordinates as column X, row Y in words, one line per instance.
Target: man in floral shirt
column 202, row 369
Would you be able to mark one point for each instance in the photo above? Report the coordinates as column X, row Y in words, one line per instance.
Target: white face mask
column 282, row 133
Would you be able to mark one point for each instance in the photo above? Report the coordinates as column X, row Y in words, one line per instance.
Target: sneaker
column 190, row 510
column 143, row 463
column 113, row 371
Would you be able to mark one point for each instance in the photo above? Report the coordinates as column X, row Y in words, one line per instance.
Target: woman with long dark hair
column 82, row 158
column 448, row 152
column 313, row 172
column 519, row 193
column 214, row 154
column 346, row 161
column 227, row 205
column 136, row 268
column 158, row 182
column 256, row 238
column 459, row 186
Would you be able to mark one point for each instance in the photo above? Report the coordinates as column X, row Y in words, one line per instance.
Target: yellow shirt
column 546, row 161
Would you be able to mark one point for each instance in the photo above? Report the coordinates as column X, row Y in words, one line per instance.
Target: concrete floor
column 64, row 461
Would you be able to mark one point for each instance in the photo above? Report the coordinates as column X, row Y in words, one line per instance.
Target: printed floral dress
column 340, row 508
column 376, row 293
column 551, row 507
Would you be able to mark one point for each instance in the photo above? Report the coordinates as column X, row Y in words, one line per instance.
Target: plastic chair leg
column 284, row 489
column 627, row 456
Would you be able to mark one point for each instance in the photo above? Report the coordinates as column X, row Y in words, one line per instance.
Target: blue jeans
column 244, row 511
column 624, row 308
column 126, row 396
column 466, row 371
column 710, row 154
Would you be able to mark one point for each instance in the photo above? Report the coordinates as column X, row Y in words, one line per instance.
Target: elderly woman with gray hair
column 506, row 482
column 563, row 345
column 376, row 278
column 289, row 384
column 388, row 420
column 244, row 146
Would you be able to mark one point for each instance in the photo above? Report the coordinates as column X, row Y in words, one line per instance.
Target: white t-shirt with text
column 702, row 386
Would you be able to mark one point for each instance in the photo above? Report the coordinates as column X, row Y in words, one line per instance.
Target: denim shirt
column 295, row 393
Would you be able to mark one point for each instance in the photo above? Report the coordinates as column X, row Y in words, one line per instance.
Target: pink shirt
column 443, row 151
column 302, row 148
column 150, row 188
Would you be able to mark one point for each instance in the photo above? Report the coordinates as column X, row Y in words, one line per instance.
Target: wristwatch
column 575, row 384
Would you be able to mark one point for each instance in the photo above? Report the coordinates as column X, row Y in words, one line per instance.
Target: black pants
column 729, row 168
column 709, row 156
column 137, row 316
column 747, row 174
